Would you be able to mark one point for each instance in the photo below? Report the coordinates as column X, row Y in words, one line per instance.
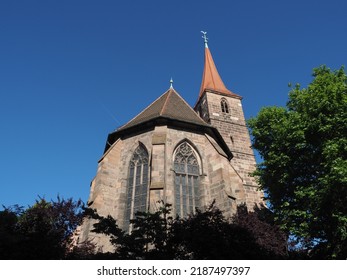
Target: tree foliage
column 304, row 168
column 203, row 235
column 42, row 231
column 46, row 231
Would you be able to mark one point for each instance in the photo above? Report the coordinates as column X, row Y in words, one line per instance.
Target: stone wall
column 232, row 126
column 219, row 180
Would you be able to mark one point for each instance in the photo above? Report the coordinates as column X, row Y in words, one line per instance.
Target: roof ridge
column 166, row 101
column 142, row 111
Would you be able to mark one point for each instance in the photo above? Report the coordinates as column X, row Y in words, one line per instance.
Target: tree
column 149, row 238
column 267, row 235
column 151, row 235
column 206, row 234
column 42, row 231
column 9, row 236
column 247, row 235
column 304, row 168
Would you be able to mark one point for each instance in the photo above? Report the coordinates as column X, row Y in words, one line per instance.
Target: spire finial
column 171, row 82
column 205, row 38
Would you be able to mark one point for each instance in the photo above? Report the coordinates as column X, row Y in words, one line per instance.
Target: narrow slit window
column 224, row 106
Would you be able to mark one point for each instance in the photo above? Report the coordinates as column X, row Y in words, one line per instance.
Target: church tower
column 173, row 153
column 222, row 109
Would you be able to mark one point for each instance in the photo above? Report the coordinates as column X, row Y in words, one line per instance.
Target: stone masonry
column 217, row 166
column 232, row 127
column 218, row 179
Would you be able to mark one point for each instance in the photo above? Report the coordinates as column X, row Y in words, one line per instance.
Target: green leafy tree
column 304, row 168
column 151, row 234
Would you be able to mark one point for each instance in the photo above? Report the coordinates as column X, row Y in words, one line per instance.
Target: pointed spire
column 211, row 79
column 171, row 83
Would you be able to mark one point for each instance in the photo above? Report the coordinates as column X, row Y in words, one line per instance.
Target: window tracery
column 186, row 168
column 137, row 186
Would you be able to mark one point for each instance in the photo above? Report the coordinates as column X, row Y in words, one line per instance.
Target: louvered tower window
column 186, row 180
column 137, row 189
column 224, row 106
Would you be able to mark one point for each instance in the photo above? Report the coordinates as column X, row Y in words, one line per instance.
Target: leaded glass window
column 186, row 168
column 137, row 189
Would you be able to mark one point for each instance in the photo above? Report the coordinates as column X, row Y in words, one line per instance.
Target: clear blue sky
column 73, row 71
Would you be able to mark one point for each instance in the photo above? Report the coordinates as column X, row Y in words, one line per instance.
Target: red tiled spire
column 211, row 79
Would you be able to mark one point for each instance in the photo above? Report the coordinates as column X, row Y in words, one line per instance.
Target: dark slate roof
column 171, row 106
column 169, row 109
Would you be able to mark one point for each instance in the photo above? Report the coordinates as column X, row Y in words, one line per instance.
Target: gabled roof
column 170, row 105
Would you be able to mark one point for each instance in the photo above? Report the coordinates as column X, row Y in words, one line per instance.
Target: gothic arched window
column 224, row 105
column 186, row 168
column 137, row 187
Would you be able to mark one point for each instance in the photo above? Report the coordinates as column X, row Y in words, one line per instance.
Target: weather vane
column 205, row 38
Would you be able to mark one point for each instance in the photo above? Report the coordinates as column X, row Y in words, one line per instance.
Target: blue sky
column 73, row 71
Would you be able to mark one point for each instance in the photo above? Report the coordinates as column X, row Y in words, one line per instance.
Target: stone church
column 182, row 155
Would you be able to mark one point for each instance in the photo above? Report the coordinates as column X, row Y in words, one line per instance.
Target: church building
column 182, row 155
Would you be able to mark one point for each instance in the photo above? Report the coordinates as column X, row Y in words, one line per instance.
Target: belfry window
column 186, row 168
column 224, row 105
column 137, row 187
